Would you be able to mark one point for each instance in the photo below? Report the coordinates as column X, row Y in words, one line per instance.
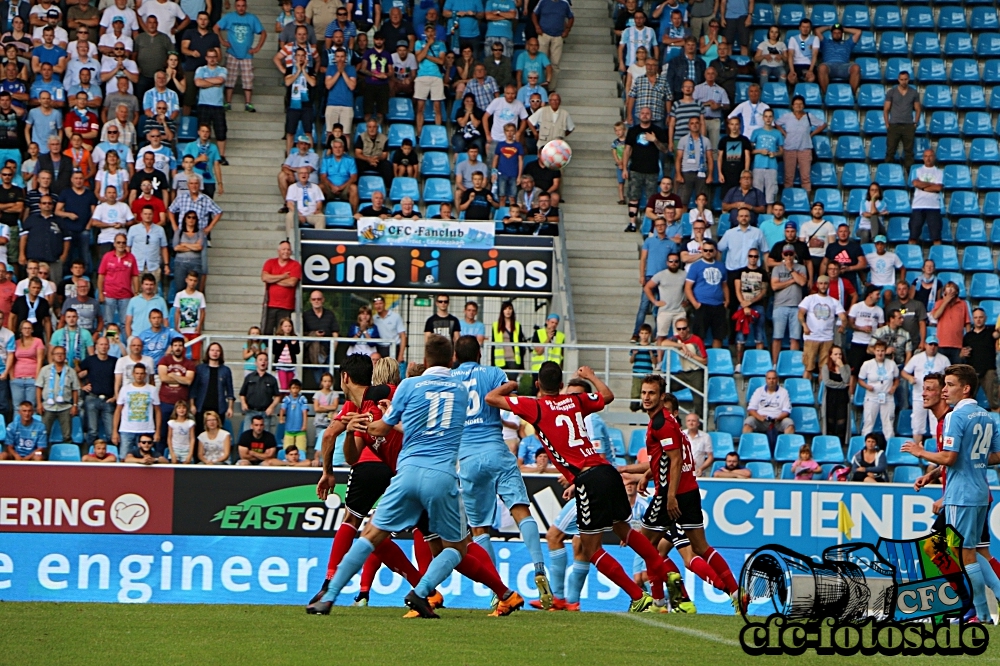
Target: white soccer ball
column 555, row 154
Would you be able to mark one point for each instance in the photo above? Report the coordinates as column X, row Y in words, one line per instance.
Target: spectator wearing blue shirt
column 301, row 156
column 48, row 52
column 241, row 28
column 500, row 18
column 139, row 307
column 835, row 50
column 532, row 87
column 553, row 20
column 707, row 291
column 210, row 79
column 429, row 82
column 652, row 260
column 341, row 82
column 533, row 61
column 739, row 240
column 468, row 13
column 156, row 338
column 294, row 414
column 469, row 324
column 26, row 438
column 527, row 449
column 736, row 22
column 338, row 176
column 48, row 83
column 148, row 243
column 768, row 146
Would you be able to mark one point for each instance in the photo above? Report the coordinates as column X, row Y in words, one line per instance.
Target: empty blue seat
column 437, row 190
column 796, row 200
column 987, row 46
column 810, row 93
column 827, row 449
column 988, row 177
column 964, row 70
column 926, row 44
column 760, row 469
column 786, row 449
column 977, row 123
column 984, row 18
column 800, row 391
column 896, row 65
column 911, row 256
column 845, row 121
column 434, row 137
column 729, row 419
column 930, row 70
column 636, row 441
column 855, row 174
column 944, row 123
column 399, row 132
column 850, row 148
column 822, row 147
column 984, row 151
column 992, row 207
column 938, row 97
column 870, row 68
column 977, row 258
column 919, row 18
column 404, row 187
column 865, row 44
column 720, row 362
column 754, row 446
column 986, row 285
column 339, row 214
column 894, row 453
column 790, row 364
column 806, row 420
column 991, row 308
column 945, row 257
column 904, row 423
column 949, row 150
column 369, row 184
column 874, row 122
column 871, row 96
column 890, row 175
column 790, row 15
column 951, row 18
column 839, row 95
column 722, row 443
column 971, row 97
column 823, row 174
column 957, row 177
column 960, row 44
column 971, row 230
column 187, row 129
column 755, row 363
column 67, row 452
column 893, row 43
column 898, row 231
column 888, row 17
column 831, row 200
column 763, row 15
column 855, row 16
column 856, row 198
column 722, row 390
column 897, row 201
column 775, row 94
column 400, row 110
column 876, row 149
column 963, row 204
column 991, row 71
column 753, row 384
column 856, row 444
column 435, row 163
column 906, row 474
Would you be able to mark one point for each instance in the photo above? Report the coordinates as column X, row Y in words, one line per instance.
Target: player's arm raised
column 498, row 396
column 586, row 373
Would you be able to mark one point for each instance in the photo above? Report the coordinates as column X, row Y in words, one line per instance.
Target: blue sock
column 533, row 542
column 557, row 567
column 975, row 573
column 577, row 577
column 484, row 541
column 439, row 569
column 989, row 576
column 350, row 565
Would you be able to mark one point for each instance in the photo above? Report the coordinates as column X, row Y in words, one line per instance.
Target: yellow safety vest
column 554, row 354
column 498, row 352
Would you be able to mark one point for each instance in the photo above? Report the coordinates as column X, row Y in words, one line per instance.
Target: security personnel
column 548, row 335
column 511, row 328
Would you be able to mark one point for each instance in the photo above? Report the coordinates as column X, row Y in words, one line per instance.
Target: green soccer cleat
column 741, row 601
column 674, row 589
column 641, row 605
column 544, row 591
column 684, row 608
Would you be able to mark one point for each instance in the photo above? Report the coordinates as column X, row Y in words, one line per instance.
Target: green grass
column 50, row 634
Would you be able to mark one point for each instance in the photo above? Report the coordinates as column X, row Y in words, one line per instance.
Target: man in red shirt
column 117, row 281
column 176, row 373
column 81, row 120
column 147, row 198
column 281, row 278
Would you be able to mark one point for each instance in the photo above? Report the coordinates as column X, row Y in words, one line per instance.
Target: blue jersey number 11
column 441, row 407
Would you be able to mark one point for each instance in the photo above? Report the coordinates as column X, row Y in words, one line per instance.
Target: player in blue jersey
column 971, row 442
column 487, row 468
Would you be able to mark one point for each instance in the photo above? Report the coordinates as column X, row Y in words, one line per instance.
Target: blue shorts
column 566, row 520
column 484, row 477
column 506, row 186
column 786, row 319
column 416, row 489
column 621, row 178
column 968, row 521
column 839, row 70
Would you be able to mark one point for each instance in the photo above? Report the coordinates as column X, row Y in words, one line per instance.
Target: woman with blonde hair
column 214, row 442
column 386, row 371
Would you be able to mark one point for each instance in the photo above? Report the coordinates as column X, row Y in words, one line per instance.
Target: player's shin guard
column 702, row 570
column 422, row 552
column 439, row 569
column 975, row 573
column 719, row 565
column 485, row 542
column 533, row 542
column 990, row 577
column 341, row 544
column 368, row 571
column 477, row 566
column 394, row 558
column 610, row 567
column 577, row 577
column 349, row 565
column 557, row 567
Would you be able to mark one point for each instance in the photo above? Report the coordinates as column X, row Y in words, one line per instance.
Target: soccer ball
column 555, row 154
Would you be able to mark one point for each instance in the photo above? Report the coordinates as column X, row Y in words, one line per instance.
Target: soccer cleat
column 557, row 604
column 741, row 601
column 319, row 608
column 249, row 108
column 420, row 606
column 641, row 605
column 436, row 600
column 361, row 599
column 674, row 589
column 494, row 601
column 513, row 602
column 684, row 608
column 322, row 591
column 544, row 591
column 572, row 608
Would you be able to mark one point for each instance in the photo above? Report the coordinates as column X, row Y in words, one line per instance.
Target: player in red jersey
column 601, row 500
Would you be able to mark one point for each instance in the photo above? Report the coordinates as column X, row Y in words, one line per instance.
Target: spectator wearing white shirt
column 916, row 369
column 701, row 444
column 865, row 318
column 818, row 312
column 927, row 199
column 82, row 60
column 883, row 265
column 111, row 218
column 803, row 54
column 769, row 407
column 751, row 112
column 169, row 16
column 306, row 198
column 632, row 38
column 389, row 325
column 879, row 377
column 120, row 11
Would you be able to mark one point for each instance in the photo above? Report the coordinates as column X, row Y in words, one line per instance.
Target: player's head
column 670, row 402
column 385, row 371
column 653, row 389
column 438, row 352
column 356, row 370
column 549, row 378
column 577, row 385
column 933, row 389
column 467, row 349
column 960, row 382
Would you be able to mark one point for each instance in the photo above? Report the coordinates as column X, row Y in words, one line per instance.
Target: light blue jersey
column 431, row 408
column 971, row 432
column 483, row 428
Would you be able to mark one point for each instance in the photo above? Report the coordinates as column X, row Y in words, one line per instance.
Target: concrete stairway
column 603, row 262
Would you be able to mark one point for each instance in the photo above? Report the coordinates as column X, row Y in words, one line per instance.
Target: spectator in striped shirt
column 160, row 92
column 683, row 111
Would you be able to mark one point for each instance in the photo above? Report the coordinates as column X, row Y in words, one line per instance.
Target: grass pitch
column 51, row 634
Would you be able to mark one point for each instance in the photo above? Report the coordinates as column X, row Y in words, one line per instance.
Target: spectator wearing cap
column 921, row 364
column 115, row 32
column 818, row 314
column 747, row 197
column 301, row 156
column 835, row 51
column 883, row 264
column 339, row 175
column 404, row 70
column 300, row 86
column 306, row 199
column 847, row 253
column 788, row 282
column 341, row 82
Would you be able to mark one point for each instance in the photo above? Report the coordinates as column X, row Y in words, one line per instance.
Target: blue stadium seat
column 911, row 256
column 977, row 258
column 951, row 18
column 729, row 419
column 856, row 444
column 985, row 285
column 964, row 70
column 987, row 46
column 722, row 443
column 399, row 132
column 775, row 94
column 806, row 420
column 992, row 207
column 400, row 110
column 187, row 129
column 944, row 123
column 984, row 151
column 720, row 362
column 988, row 177
column 434, row 209
column 617, row 441
column 894, row 66
column 897, row 201
column 796, row 200
column 359, row 108
column 855, row 16
column 874, row 123
column 871, row 70
column 760, row 469
column 971, row 97
column 945, row 257
column 977, row 123
column 756, row 363
column 786, row 472
column 763, row 15
column 983, row 19
column 753, row 384
column 790, row 364
column 790, row 15
column 850, row 148
column 822, row 15
column 957, row 278
column 971, row 230
column 811, row 93
column 437, row 190
column 963, row 204
column 930, row 70
column 369, row 184
column 856, row 198
column 919, row 18
column 949, row 151
column 636, row 441
column 904, row 423
column 865, row 44
column 898, row 230
column 991, row 307
column 893, row 43
column 888, row 17
column 839, row 95
column 958, row 44
column 845, row 121
column 827, row 449
column 76, row 427
column 754, row 446
column 855, row 174
column 823, row 174
column 938, row 97
column 435, row 163
column 831, row 199
column 957, row 177
column 926, row 44
column 339, row 214
column 822, row 147
column 871, row 96
column 67, row 453
column 991, row 71
column 741, row 91
column 498, row 214
column 876, row 149
column 787, row 447
column 894, row 454
column 722, row 390
column 434, row 137
column 404, row 187
column 906, row 474
column 800, row 391
column 890, row 175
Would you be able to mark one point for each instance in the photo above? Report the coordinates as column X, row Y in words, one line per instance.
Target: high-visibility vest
column 498, row 351
column 554, row 354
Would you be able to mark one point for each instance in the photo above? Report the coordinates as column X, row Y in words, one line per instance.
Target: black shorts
column 214, row 117
column 856, row 356
column 601, row 500
column 800, row 71
column 713, row 318
column 305, row 115
column 376, row 100
column 984, row 540
column 656, row 517
column 367, row 483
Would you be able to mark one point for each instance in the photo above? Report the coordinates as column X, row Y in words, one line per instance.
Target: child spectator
column 805, row 468
column 364, row 329
column 478, row 202
column 702, row 212
column 405, row 161
column 642, row 362
column 180, row 437
column 294, row 414
column 514, row 219
column 285, row 16
column 100, row 454
column 285, row 353
column 251, row 348
column 325, row 403
column 28, row 165
column 508, row 160
column 617, row 153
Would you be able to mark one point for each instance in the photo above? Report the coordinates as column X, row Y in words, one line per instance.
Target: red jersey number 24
column 575, row 431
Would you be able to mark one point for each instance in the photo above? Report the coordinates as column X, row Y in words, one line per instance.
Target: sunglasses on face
column 442, row 302
column 680, row 328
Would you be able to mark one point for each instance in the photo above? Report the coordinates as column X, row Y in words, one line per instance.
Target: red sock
column 995, row 565
column 372, row 565
column 647, row 551
column 422, row 552
column 610, row 567
column 478, row 552
column 341, row 544
column 702, row 570
column 472, row 567
column 394, row 558
column 655, row 588
column 718, row 563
